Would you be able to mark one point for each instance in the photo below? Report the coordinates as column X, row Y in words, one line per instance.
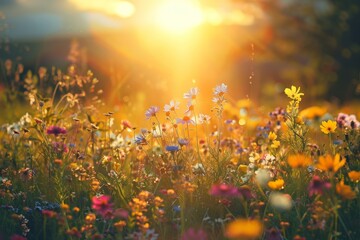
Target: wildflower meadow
column 70, row 171
column 104, row 143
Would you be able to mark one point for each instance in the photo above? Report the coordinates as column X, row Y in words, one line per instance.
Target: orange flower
column 277, row 184
column 299, row 160
column 354, row 176
column 244, row 229
column 345, row 191
column 330, row 164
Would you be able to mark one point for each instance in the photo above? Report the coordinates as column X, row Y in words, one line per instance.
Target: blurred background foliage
column 150, row 52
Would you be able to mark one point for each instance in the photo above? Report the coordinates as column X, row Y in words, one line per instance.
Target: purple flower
column 224, row 190
column 56, row 130
column 192, row 234
column 317, row 186
column 183, row 141
column 151, row 112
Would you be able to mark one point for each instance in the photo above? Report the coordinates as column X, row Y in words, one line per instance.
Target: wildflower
column 220, row 89
column 330, row 164
column 17, row 237
column 203, row 118
column 273, row 234
column 224, row 190
column 190, row 108
column 64, row 207
column 245, row 192
column 294, row 93
column 102, row 205
column 192, row 234
column 74, row 232
column 313, row 112
column 55, row 130
column 272, row 136
column 262, row 176
column 278, row 184
column 90, row 218
column 140, row 140
column 280, row 201
column 151, row 112
column 183, row 141
column 275, row 144
column 126, row 124
column 76, row 209
column 26, row 174
column 317, row 186
column 345, row 191
column 49, row 213
column 299, row 160
column 171, row 107
column 120, row 225
column 328, row 127
column 185, row 120
column 193, row 92
column 244, row 229
column 172, row 148
column 354, row 176
column 345, row 120
column 60, row 147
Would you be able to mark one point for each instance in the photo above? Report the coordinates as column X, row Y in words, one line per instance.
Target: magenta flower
column 151, row 112
column 192, row 234
column 224, row 190
column 317, row 186
column 102, row 205
column 56, row 130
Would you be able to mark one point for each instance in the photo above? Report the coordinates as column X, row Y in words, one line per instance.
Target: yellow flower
column 244, row 229
column 328, row 127
column 354, row 176
column 243, row 168
column 313, row 112
column 275, row 144
column 277, row 184
column 330, row 164
column 293, row 93
column 345, row 191
column 299, row 160
column 272, row 136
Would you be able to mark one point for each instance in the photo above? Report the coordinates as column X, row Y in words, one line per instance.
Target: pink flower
column 102, row 205
column 224, row 190
column 56, row 130
column 151, row 112
column 317, row 186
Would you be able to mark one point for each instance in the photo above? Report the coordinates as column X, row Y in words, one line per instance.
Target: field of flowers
column 70, row 171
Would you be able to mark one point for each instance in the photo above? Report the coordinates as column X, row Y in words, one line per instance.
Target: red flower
column 102, row 205
column 56, row 130
column 17, row 237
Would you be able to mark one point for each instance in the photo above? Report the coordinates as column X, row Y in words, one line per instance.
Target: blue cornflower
column 172, row 148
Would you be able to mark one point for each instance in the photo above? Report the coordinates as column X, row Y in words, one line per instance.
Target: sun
column 178, row 16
